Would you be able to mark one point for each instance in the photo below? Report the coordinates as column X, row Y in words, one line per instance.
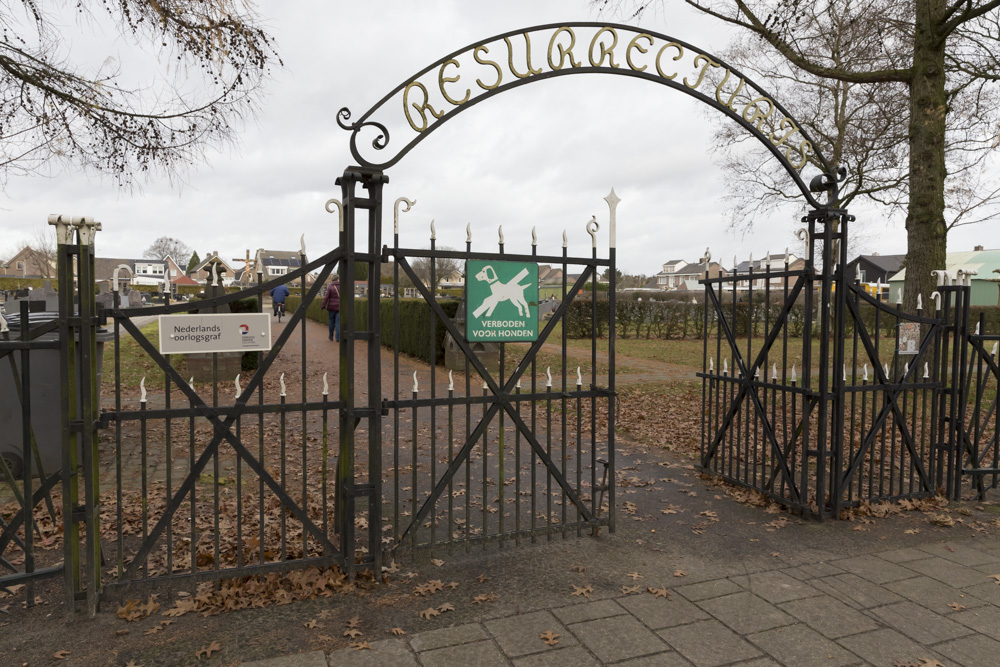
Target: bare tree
column 442, row 269
column 939, row 57
column 167, row 245
column 56, row 113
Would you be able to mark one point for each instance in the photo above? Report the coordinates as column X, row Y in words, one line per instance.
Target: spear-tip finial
column 142, row 388
column 534, row 237
column 774, row 372
column 579, row 377
column 191, row 382
column 451, row 381
column 416, row 387
column 433, row 231
column 468, row 232
column 920, row 301
column 302, row 244
column 500, row 232
column 239, row 389
column 326, row 386
column 865, row 378
column 548, row 373
column 711, row 364
column 725, row 366
column 281, row 381
column 613, row 201
column 927, row 370
column 793, row 373
column 565, row 239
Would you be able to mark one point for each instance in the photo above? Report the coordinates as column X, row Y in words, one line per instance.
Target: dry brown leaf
column 549, row 637
column 483, row 578
column 942, row 520
column 680, row 573
column 956, row 606
column 399, row 632
column 429, row 613
column 325, row 614
column 207, row 651
column 453, row 585
column 578, row 568
column 360, row 646
column 437, row 561
column 659, row 592
column 310, row 625
column 486, row 597
column 626, row 590
column 911, row 531
column 634, row 575
column 60, row 655
column 133, row 663
column 447, row 606
column 353, row 633
column 585, row 591
column 996, row 578
column 354, row 622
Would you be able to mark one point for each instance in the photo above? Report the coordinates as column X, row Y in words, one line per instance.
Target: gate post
column 351, row 413
column 78, row 377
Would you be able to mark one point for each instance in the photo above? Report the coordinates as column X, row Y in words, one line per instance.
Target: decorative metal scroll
column 463, row 78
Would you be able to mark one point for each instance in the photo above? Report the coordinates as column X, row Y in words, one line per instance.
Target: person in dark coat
column 331, row 304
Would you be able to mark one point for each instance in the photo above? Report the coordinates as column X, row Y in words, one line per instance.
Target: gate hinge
column 76, row 426
column 385, row 408
column 79, row 513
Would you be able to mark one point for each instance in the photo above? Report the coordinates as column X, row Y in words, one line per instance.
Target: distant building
column 984, row 285
column 202, row 272
column 760, row 267
column 276, row 263
column 874, row 268
column 667, row 278
column 28, row 263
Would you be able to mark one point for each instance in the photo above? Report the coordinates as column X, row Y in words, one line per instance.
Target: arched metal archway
column 410, row 113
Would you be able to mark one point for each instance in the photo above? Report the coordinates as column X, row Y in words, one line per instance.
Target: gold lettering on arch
column 510, row 58
column 442, row 79
column 718, row 90
column 475, row 54
column 605, row 50
column 785, row 123
column 701, row 58
column 758, row 118
column 421, row 108
column 680, row 54
column 634, row 44
column 805, row 149
column 563, row 51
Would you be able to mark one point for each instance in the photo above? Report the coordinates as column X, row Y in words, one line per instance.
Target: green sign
column 501, row 301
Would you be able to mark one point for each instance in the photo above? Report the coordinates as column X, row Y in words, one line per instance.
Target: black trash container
column 46, row 396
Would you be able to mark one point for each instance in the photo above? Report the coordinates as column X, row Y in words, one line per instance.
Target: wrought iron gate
column 885, row 405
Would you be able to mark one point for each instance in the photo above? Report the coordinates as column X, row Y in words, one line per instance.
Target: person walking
column 331, row 304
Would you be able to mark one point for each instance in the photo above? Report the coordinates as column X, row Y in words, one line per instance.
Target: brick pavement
column 899, row 606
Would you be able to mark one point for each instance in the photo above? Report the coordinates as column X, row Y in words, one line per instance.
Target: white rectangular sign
column 215, row 332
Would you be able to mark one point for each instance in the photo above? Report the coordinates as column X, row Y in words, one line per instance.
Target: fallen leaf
column 310, row 624
column 325, row 614
column 483, row 578
column 353, row 633
column 549, row 638
column 680, row 573
column 399, row 632
column 956, row 606
column 578, row 568
column 996, row 578
column 659, row 592
column 911, row 531
column 634, row 575
column 447, row 606
column 453, row 585
column 585, row 591
column 626, row 590
column 60, row 655
column 360, row 646
column 429, row 613
column 133, row 663
column 207, row 651
column 353, row 623
column 437, row 561
column 487, row 597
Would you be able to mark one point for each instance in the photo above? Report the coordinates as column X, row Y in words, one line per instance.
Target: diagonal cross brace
column 891, row 401
column 223, row 431
column 748, row 379
column 500, row 393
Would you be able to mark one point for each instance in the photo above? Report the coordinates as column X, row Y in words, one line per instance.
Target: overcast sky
column 542, row 155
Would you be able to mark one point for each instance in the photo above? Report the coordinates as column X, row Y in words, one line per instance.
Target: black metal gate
column 885, row 405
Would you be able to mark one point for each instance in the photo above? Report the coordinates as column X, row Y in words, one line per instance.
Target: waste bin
column 46, row 397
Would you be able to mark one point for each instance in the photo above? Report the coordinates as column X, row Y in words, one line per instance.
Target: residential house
column 548, row 275
column 984, row 284
column 667, row 279
column 874, row 268
column 29, row 263
column 202, row 272
column 139, row 271
column 685, row 278
column 453, row 280
column 276, row 263
column 760, row 268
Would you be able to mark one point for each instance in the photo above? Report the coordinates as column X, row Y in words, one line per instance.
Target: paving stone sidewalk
column 912, row 606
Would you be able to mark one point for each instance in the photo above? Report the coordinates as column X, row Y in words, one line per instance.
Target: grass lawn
column 135, row 363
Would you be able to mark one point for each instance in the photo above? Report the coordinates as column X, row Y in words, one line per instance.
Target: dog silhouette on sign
column 508, row 291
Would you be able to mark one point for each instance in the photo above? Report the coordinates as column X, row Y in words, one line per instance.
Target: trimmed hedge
column 415, row 318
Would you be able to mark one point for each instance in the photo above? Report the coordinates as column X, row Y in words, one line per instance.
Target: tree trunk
column 925, row 227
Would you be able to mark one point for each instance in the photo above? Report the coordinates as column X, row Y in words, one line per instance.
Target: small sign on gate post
column 501, row 300
column 909, row 337
column 215, row 332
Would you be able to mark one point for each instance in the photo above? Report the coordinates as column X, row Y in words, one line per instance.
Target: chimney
column 978, row 248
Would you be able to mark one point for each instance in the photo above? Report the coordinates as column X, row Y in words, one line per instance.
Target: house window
column 20, row 266
column 278, row 270
column 862, row 274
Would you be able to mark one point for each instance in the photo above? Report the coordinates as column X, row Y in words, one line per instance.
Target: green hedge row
column 15, row 283
column 415, row 317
